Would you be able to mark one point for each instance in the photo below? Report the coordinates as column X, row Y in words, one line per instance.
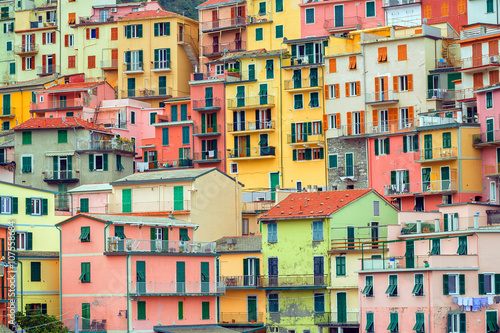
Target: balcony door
column 263, row 119
column 384, row 120
column 239, row 121
column 29, row 43
column 252, row 309
column 319, row 271
column 410, row 254
column 339, row 16
column 374, row 234
column 341, row 307
column 445, row 178
column 140, row 267
column 272, row 266
column 215, row 44
column 251, row 269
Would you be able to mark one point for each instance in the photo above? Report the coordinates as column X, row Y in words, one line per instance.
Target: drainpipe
column 129, row 315
column 325, row 128
column 367, row 152
column 60, row 272
column 280, row 123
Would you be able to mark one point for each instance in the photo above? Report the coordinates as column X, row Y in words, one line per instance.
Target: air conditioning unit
column 114, row 10
column 494, row 59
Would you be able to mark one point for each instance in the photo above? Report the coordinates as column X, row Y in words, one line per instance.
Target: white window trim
column 332, row 120
column 219, row 69
column 9, row 205
column 32, row 162
column 304, row 150
column 29, row 64
column 366, row 9
column 492, row 283
column 25, row 235
column 231, row 165
column 352, row 89
column 331, row 91
column 373, row 283
column 403, row 83
column 150, row 117
column 41, row 98
column 314, row 15
column 486, row 100
column 95, row 162
column 71, row 40
column 374, row 207
column 493, row 194
column 310, row 99
column 35, row 213
column 302, row 108
column 381, row 147
column 457, row 284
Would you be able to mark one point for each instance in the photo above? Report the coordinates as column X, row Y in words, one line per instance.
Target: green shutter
column 127, row 200
column 497, row 284
column 141, row 310
column 156, row 28
column 480, row 280
column 62, row 136
column 167, row 30
column 85, row 315
column 463, row 323
column 445, row 284
column 393, row 177
column 55, row 167
column 376, row 147
column 105, row 162
column 45, row 207
column 165, row 136
column 181, row 276
column 405, row 144
column 279, row 5
column 178, row 198
column 139, row 30
column 294, row 152
column 29, row 242
column 180, row 307
column 12, row 68
column 461, row 279
column 15, row 206
column 387, row 146
column 36, row 274
column 84, row 205
column 91, row 162
column 184, row 112
column 332, row 161
column 173, row 113
column 259, row 34
column 205, row 310
column 185, row 135
column 28, row 206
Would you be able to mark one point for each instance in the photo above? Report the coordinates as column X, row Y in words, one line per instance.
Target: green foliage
column 186, row 7
column 36, row 322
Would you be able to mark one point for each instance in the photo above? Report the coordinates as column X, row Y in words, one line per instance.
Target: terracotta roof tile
column 147, row 13
column 215, row 2
column 313, row 204
column 70, row 122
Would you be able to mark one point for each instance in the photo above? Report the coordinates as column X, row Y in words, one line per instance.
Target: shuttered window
column 36, row 271
column 141, row 310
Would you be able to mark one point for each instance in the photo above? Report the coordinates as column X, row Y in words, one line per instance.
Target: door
column 251, row 270
column 178, row 198
column 319, row 271
column 50, row 64
column 384, row 120
column 181, row 276
column 477, row 56
column 252, row 308
column 339, row 16
column 374, row 234
column 237, row 41
column 63, row 167
column 410, row 254
column 215, row 44
column 205, row 277
column 490, row 136
column 131, row 87
column 215, row 20
column 274, row 180
column 350, row 238
column 426, row 179
column 428, row 146
column 239, row 121
column 341, row 307
column 445, row 178
column 251, row 71
column 383, row 91
column 140, row 267
column 85, row 316
column 119, row 233
column 272, row 264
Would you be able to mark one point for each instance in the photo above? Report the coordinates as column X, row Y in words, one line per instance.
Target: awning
column 60, row 153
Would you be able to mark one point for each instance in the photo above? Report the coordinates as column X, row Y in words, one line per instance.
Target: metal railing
column 382, row 96
column 357, row 243
column 307, row 59
column 378, row 127
column 416, row 261
column 207, row 156
column 253, row 206
column 162, row 64
column 47, row 70
column 344, row 22
column 224, row 23
column 436, row 153
column 492, row 169
column 486, row 137
column 446, row 95
column 213, row 129
column 444, row 118
column 250, row 126
column 250, row 101
column 164, row 91
column 399, row 2
column 109, row 63
column 466, row 93
column 26, row 48
column 234, row 46
column 241, row 317
column 129, row 67
column 304, row 138
column 284, row 281
column 170, row 163
column 57, row 104
column 60, row 174
column 206, row 103
column 86, row 325
column 145, row 288
column 106, row 145
column 115, row 244
column 149, row 206
column 303, row 83
column 240, row 281
column 7, row 110
column 46, row 24
column 252, row 152
column 435, row 186
column 351, row 317
column 482, row 60
column 95, row 19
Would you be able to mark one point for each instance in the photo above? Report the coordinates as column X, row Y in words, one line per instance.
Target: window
column 382, row 146
column 91, row 62
column 376, row 208
column 269, row 69
column 141, row 310
column 279, row 6
column 370, row 8
column 334, row 90
column 36, row 271
column 62, row 136
column 205, row 310
column 317, row 227
column 49, row 38
column 8, row 205
column 314, row 100
column 453, row 284
column 164, row 134
column 370, row 327
column 382, row 54
column 487, row 283
column 462, row 245
column 259, row 34
column 456, row 323
column 219, row 69
column 447, row 140
column 37, row 308
column 21, row 241
column 392, row 289
column 279, row 31
column 274, row 305
column 85, row 272
column 489, row 6
column 162, row 59
column 185, row 135
column 132, row 117
column 71, row 61
column 133, row 31
column 418, row 287
column 349, row 165
column 445, row 9
column 403, row 82
column 309, row 15
column 491, row 321
column 27, row 164
column 300, row 154
column 36, row 206
column 12, row 68
column 368, row 289
column 489, row 100
column 262, row 8
column 394, row 323
column 419, row 326
column 352, row 62
column 100, row 162
column 317, row 153
column 334, row 121
column 8, row 46
column 29, row 63
column 26, row 137
column 450, row 222
column 332, row 161
column 340, row 266
column 410, row 143
column 353, row 88
column 319, row 302
column 119, row 165
column 84, row 205
column 233, row 168
column 162, row 29
column 427, row 11
column 298, row 102
column 436, row 247
column 152, row 118
column 272, row 232
column 84, row 234
column 402, row 54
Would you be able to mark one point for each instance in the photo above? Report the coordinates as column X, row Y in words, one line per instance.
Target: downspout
column 60, row 272
column 367, row 152
column 129, row 315
column 325, row 152
column 280, row 123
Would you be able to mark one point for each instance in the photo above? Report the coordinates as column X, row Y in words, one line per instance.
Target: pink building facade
column 128, row 287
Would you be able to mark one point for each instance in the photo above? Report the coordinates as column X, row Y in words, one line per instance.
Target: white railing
column 198, row 287
column 158, row 245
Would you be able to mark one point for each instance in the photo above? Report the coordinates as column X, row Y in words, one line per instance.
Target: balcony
column 436, row 154
column 249, row 126
column 115, row 244
column 240, row 282
column 352, row 244
column 109, row 65
column 485, row 139
column 343, row 24
column 241, row 318
column 224, row 24
column 7, row 15
column 46, row 24
column 258, row 206
column 478, row 63
column 147, row 93
column 445, row 95
column 58, row 176
column 57, row 104
column 464, row 94
column 441, row 261
column 252, row 153
column 302, row 84
column 218, row 49
column 250, row 102
column 207, row 104
column 440, row 118
column 133, row 67
column 207, row 130
column 26, row 49
column 8, row 112
column 169, row 163
column 106, row 145
column 47, row 70
column 378, row 127
column 208, row 156
column 299, row 281
column 161, row 66
column 95, row 19
column 302, row 60
column 428, row 187
column 150, row 288
column 343, row 319
column 87, row 325
column 389, row 3
column 492, row 170
column 304, row 138
column 382, row 97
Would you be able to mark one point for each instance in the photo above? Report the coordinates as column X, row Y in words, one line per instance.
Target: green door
column 178, row 198
column 127, row 200
column 490, row 134
column 240, row 96
column 350, row 238
column 140, row 267
column 426, row 179
column 131, row 87
column 85, row 316
column 341, row 307
column 251, row 72
column 205, row 277
column 445, row 178
column 428, row 146
column 181, row 277
column 6, row 105
column 263, row 94
column 252, row 308
column 313, row 77
column 410, row 254
column 274, row 180
column 209, row 101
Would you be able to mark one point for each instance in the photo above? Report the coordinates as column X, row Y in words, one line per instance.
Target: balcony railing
column 304, row 138
column 382, row 96
column 486, row 138
column 325, row 318
column 62, row 202
column 161, row 65
column 207, row 130
column 70, row 175
column 443, row 118
column 444, row 260
column 133, row 67
column 253, row 206
column 233, row 22
column 46, row 24
column 150, row 206
column 342, row 23
column 399, row 2
column 307, row 59
column 106, row 145
column 207, row 156
column 447, row 95
column 176, row 288
column 95, row 19
column 241, row 317
column 169, row 163
column 57, row 104
column 357, row 243
column 115, row 244
column 145, row 93
column 7, row 15
column 109, row 64
column 378, row 127
column 479, row 61
column 302, row 84
column 207, row 103
column 8, row 111
column 259, row 151
column 26, row 49
column 47, row 70
column 233, row 46
column 244, row 281
column 250, row 126
column 436, row 154
column 251, row 101
column 462, row 94
column 293, row 281
column 87, row 325
column 492, row 169
column 431, row 187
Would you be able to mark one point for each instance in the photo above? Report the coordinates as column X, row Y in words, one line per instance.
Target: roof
column 27, row 187
column 198, row 328
column 38, row 254
column 30, row 83
column 178, row 99
column 6, row 138
column 147, row 13
column 233, row 56
column 313, row 204
column 487, row 88
column 73, row 86
column 239, row 244
column 133, row 219
column 69, row 122
column 216, row 3
column 306, row 40
column 100, row 187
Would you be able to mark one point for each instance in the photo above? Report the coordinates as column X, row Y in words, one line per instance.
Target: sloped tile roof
column 74, row 86
column 147, row 13
column 70, row 122
column 210, row 3
column 239, row 244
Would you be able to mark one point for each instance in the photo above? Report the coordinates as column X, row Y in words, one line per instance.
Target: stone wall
column 340, row 147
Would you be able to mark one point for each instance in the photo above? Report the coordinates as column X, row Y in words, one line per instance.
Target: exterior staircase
column 191, row 52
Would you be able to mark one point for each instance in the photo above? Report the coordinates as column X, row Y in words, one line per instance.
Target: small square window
column 233, row 168
column 5, row 205
column 310, row 16
column 21, row 240
column 36, row 206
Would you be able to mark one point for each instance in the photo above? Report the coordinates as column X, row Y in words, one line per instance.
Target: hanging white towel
column 460, row 301
column 490, row 300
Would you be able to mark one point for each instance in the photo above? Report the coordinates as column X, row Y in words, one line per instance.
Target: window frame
column 403, row 83
column 317, row 299
column 21, row 234
column 314, row 15
column 260, row 35
column 274, row 233
column 368, row 289
column 340, row 262
column 275, row 302
column 95, row 162
column 376, row 208
column 9, row 199
column 311, row 106
column 316, row 236
column 231, row 170
column 353, row 89
column 36, row 202
column 420, row 291
column 392, row 292
column 31, row 164
column 302, row 101
column 456, row 277
column 489, row 100
column 374, row 9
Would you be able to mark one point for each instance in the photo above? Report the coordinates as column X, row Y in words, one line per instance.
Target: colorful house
column 7, row 57
column 90, row 198
column 240, row 264
column 124, row 287
column 7, row 165
column 315, row 288
column 5, row 272
column 31, row 211
column 484, row 12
